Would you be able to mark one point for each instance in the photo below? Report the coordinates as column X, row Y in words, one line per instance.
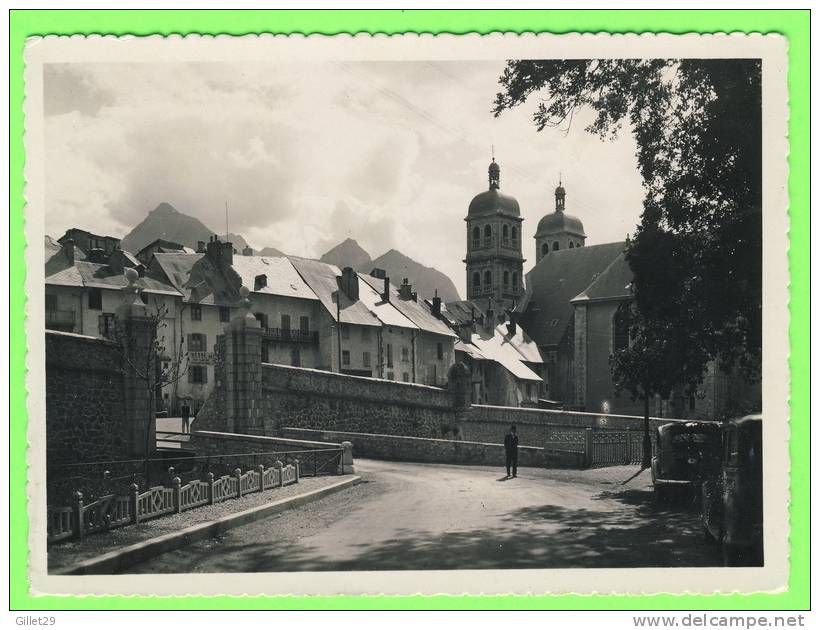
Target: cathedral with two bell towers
column 495, row 260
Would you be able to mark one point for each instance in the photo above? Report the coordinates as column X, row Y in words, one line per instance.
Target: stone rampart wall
column 85, row 415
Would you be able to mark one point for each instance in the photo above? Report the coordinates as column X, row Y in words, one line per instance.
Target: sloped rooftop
column 321, row 278
column 557, row 279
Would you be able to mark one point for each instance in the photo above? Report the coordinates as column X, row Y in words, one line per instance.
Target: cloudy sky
column 389, row 153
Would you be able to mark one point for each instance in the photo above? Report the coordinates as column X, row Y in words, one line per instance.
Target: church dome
column 560, row 222
column 492, row 202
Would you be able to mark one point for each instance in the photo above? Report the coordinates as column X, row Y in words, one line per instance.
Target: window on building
column 304, row 324
column 514, row 234
column 95, row 299
column 515, row 279
column 365, row 333
column 285, row 322
column 440, row 351
column 405, row 377
column 476, row 236
column 295, row 357
column 620, row 330
column 345, row 331
column 197, row 342
column 196, row 313
column 265, row 353
column 366, row 359
column 476, row 279
column 51, row 302
column 506, row 278
column 106, row 325
column 198, row 374
column 389, row 376
column 262, row 318
column 345, row 357
column 488, row 278
column 405, row 354
column 488, row 231
column 555, row 246
column 390, row 355
column 545, row 249
column 505, row 231
column 224, row 314
column 571, row 244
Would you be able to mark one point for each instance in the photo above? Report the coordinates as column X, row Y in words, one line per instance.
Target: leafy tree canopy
column 696, row 255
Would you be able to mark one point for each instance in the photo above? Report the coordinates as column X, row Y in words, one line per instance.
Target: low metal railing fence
column 103, row 478
column 83, row 518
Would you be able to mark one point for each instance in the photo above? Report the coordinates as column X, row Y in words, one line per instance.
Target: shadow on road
column 628, row 530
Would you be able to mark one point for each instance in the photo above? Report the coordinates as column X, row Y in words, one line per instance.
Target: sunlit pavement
column 429, row 516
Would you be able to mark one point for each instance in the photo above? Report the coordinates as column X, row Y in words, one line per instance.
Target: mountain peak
column 164, row 208
column 348, row 253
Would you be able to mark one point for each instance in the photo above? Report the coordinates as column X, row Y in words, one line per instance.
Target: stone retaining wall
column 301, row 397
column 414, row 449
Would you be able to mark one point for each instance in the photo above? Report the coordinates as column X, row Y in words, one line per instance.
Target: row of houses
column 312, row 315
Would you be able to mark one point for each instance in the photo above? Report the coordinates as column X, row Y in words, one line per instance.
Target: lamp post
column 646, row 459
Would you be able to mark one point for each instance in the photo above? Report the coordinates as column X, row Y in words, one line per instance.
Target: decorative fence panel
column 250, row 482
column 60, row 523
column 155, row 502
column 599, row 446
column 289, row 475
column 194, row 494
column 224, row 488
column 106, row 513
column 271, row 478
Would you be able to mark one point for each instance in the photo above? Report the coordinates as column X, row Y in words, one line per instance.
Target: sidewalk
column 67, row 553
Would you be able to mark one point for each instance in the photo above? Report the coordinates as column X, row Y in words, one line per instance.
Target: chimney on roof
column 512, row 326
column 406, row 291
column 247, row 251
column 386, row 292
column 436, row 306
column 349, row 283
column 67, row 248
column 260, row 282
column 465, row 332
column 378, row 273
column 200, row 247
column 221, row 254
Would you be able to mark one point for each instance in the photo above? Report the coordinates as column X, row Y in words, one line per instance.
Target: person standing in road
column 185, row 411
column 511, row 451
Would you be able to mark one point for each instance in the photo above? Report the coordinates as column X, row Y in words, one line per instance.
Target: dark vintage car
column 732, row 498
column 685, row 451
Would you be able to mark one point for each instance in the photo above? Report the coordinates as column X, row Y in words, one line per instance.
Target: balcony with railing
column 290, row 334
column 57, row 319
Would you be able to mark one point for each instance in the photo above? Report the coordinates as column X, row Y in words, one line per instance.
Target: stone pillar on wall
column 136, row 330
column 460, row 382
column 243, row 372
column 580, row 355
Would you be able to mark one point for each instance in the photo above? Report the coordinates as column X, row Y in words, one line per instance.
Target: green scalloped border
column 793, row 24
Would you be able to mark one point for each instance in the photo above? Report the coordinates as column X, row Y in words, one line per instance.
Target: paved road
column 423, row 516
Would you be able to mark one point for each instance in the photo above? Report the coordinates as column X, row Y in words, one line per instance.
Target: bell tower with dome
column 558, row 230
column 494, row 260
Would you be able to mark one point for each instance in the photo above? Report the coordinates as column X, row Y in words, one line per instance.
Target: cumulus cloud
column 307, row 155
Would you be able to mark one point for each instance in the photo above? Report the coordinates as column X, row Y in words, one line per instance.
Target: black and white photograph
column 451, row 314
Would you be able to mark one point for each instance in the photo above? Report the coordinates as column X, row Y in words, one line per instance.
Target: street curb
column 116, row 561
